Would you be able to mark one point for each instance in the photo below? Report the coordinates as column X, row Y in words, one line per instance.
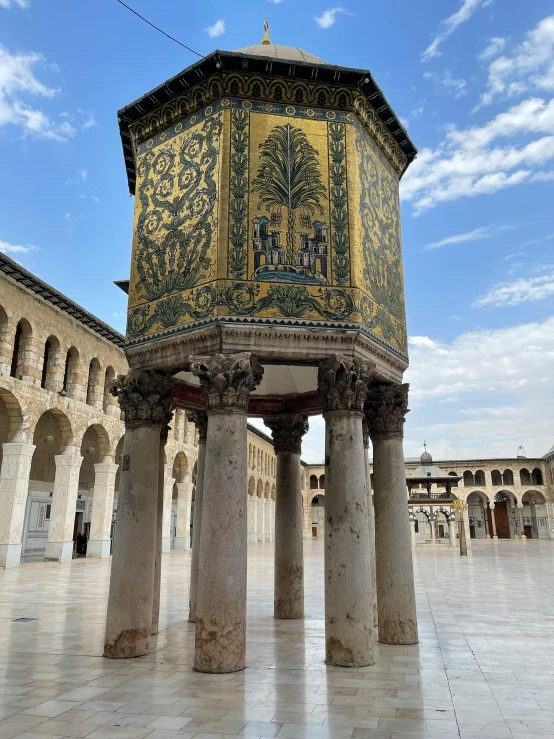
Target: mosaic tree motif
column 289, row 177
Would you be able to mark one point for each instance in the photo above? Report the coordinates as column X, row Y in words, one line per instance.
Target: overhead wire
column 159, row 29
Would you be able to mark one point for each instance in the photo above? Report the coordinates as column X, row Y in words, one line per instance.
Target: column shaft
column 14, row 484
column 131, row 594
column 261, row 519
column 166, row 517
column 493, row 520
column 160, row 501
column 370, row 527
column 252, row 520
column 184, row 504
column 99, row 542
column 520, row 512
column 197, row 524
column 59, row 545
column 289, row 555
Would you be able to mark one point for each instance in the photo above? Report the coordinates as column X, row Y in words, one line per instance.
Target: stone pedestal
column 288, row 598
column 145, row 397
column 220, row 644
column 14, row 484
column 200, row 419
column 385, row 410
column 182, row 524
column 342, row 383
column 99, row 542
column 59, row 545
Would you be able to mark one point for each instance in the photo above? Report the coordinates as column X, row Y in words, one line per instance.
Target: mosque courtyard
column 484, row 666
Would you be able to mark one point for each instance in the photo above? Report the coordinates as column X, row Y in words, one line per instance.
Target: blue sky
column 473, row 81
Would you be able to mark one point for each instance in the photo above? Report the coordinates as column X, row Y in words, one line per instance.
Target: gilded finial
column 266, row 40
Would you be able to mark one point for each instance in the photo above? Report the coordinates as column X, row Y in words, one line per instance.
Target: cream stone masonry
column 59, row 546
column 102, row 509
column 14, row 481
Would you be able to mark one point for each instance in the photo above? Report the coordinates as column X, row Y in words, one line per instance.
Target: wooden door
column 502, row 524
column 528, row 531
column 314, row 532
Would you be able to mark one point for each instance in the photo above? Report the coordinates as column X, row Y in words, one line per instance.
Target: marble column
column 227, row 381
column 371, row 523
column 453, row 533
column 14, row 484
column 99, row 543
column 386, row 408
column 493, row 521
column 166, row 517
column 145, row 398
column 342, row 384
column 288, row 596
column 412, row 533
column 200, row 420
column 261, row 519
column 59, row 545
column 164, row 434
column 520, row 514
column 184, row 506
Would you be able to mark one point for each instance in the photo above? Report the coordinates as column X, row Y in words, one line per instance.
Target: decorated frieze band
column 200, row 420
column 385, row 409
column 342, row 383
column 287, row 431
column 145, row 398
column 295, row 97
column 227, row 380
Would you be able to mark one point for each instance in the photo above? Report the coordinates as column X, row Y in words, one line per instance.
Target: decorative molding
column 145, row 398
column 227, row 380
column 287, row 431
column 342, row 383
column 385, row 410
column 238, row 191
column 200, row 420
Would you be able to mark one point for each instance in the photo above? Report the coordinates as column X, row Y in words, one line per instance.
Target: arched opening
column 422, row 527
column 496, row 477
column 524, row 477
column 313, row 482
column 52, row 435
column 318, row 515
column 477, row 515
column 109, row 400
column 454, row 474
column 469, row 480
column 480, row 478
column 260, row 489
column 505, row 515
column 51, row 378
column 251, row 487
column 95, row 448
column 322, row 482
column 507, row 477
column 71, row 373
column 94, row 388
column 22, row 350
column 536, row 477
column 11, row 419
column 535, row 515
column 273, row 492
column 441, row 525
column 180, row 467
column 5, row 353
column 267, row 491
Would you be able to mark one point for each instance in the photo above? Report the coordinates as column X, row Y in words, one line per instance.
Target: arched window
column 93, row 382
column 313, row 482
column 45, row 360
column 524, row 477
column 496, row 477
column 109, row 400
column 469, row 480
column 71, row 373
column 22, row 346
column 536, row 477
column 322, row 482
column 480, row 478
column 508, row 477
column 454, row 474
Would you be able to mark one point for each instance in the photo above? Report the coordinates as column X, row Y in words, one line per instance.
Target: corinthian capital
column 227, row 380
column 200, row 420
column 144, row 397
column 342, row 383
column 385, row 410
column 287, row 430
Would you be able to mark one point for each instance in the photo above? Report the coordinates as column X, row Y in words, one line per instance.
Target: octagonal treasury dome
column 267, row 214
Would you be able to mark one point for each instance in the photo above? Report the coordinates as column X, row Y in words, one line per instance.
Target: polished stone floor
column 484, row 666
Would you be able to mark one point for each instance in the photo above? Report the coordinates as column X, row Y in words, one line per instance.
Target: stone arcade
column 268, row 132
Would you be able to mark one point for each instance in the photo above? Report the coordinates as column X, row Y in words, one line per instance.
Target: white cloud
column 7, row 248
column 454, row 387
column 450, row 24
column 328, row 17
column 542, row 239
column 79, row 179
column 478, row 234
column 18, row 81
column 218, row 28
column 476, row 160
column 522, row 290
column 449, row 84
column 493, row 48
column 20, row 3
column 529, row 67
column 275, row 2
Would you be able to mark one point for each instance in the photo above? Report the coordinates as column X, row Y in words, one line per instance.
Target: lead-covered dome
column 278, row 51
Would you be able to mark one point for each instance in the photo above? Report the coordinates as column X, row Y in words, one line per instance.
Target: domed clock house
column 266, row 280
